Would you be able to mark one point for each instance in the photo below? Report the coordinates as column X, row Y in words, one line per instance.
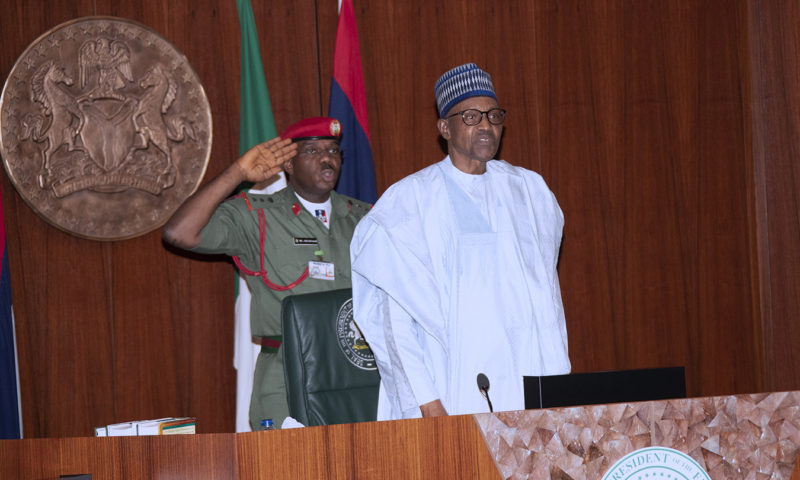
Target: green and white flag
column 256, row 125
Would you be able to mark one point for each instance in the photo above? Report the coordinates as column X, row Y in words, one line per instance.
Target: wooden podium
column 730, row 437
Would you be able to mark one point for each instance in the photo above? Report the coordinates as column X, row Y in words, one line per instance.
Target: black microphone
column 483, row 386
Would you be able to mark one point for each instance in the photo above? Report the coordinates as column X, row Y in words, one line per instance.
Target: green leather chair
column 331, row 375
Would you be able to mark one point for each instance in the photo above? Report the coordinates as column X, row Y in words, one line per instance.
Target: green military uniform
column 292, row 238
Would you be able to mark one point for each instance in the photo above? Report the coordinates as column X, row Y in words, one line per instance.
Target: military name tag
column 305, row 241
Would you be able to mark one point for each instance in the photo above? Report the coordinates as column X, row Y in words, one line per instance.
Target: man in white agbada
column 454, row 270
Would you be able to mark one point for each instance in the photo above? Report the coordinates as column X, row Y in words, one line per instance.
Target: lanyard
column 262, row 236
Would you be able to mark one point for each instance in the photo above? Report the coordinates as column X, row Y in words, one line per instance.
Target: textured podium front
column 754, row 436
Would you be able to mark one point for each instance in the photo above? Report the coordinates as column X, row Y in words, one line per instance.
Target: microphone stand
column 483, row 386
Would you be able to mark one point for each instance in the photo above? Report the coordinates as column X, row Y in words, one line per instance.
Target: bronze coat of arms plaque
column 105, row 128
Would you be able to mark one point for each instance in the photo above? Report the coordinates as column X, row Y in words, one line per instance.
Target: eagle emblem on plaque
column 105, row 128
column 110, row 131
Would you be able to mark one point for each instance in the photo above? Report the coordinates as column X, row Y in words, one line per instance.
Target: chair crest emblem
column 351, row 341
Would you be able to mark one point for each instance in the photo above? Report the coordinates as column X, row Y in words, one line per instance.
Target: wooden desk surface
column 446, row 447
column 171, row 456
column 450, row 447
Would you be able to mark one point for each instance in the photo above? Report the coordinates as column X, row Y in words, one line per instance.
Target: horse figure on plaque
column 62, row 110
column 107, row 125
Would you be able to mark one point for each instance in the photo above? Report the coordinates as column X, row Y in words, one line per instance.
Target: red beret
column 314, row 128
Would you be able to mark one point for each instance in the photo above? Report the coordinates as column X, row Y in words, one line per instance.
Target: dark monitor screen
column 604, row 387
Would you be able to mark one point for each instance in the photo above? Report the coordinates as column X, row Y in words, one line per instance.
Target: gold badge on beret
column 336, row 128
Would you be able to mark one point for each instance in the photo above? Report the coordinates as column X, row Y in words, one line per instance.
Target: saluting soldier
column 291, row 242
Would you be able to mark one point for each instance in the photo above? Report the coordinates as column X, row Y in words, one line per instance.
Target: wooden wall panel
column 642, row 142
column 173, row 342
column 406, row 46
column 775, row 103
column 726, row 355
column 581, row 95
column 637, row 113
column 290, row 50
column 61, row 298
column 156, row 331
column 134, row 330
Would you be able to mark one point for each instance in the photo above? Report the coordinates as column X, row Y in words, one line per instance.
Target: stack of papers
column 159, row 426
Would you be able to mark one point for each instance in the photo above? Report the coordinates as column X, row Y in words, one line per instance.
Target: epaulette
column 255, row 201
column 354, row 205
